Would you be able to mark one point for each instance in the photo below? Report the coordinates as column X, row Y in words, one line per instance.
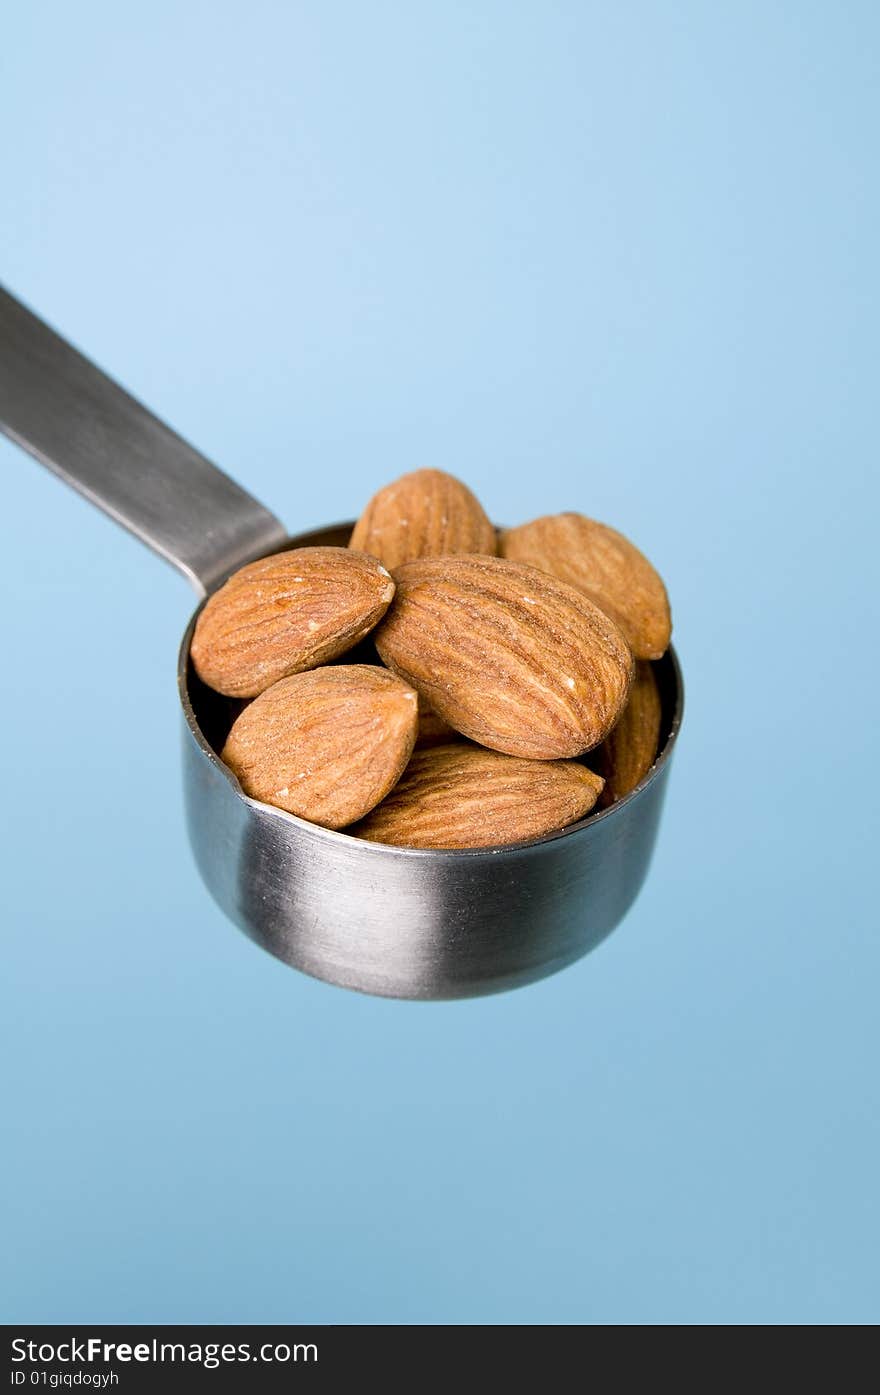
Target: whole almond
column 423, row 514
column 507, row 655
column 604, row 565
column 327, row 745
column 628, row 753
column 464, row 797
column 286, row 613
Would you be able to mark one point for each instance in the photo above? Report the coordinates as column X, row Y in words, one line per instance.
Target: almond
column 286, row 613
column 507, row 655
column 604, row 565
column 631, row 749
column 424, row 514
column 463, row 797
column 432, row 731
column 327, row 745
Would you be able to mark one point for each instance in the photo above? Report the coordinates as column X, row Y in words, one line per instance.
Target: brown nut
column 604, row 565
column 423, row 514
column 287, row 613
column 628, row 752
column 507, row 655
column 327, row 745
column 462, row 797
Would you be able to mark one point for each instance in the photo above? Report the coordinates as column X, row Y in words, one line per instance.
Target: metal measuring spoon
column 399, row 922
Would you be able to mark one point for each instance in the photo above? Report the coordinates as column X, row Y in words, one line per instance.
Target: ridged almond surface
column 628, row 753
column 432, row 731
column 507, row 655
column 606, row 566
column 327, row 745
column 423, row 514
column 464, row 797
column 287, row 613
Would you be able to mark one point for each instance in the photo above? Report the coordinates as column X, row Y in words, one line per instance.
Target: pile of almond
column 495, row 663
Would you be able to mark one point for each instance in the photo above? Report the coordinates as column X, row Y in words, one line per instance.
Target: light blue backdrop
column 618, row 258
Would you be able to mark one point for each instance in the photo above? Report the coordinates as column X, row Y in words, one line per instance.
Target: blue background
column 617, row 258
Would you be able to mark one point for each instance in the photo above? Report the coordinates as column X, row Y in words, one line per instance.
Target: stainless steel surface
column 405, row 923
column 73, row 418
column 392, row 921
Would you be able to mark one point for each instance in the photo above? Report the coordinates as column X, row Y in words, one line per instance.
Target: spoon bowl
column 402, row 922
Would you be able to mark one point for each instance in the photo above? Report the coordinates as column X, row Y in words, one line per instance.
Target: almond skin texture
column 287, row 613
column 463, row 797
column 433, row 731
column 327, row 745
column 627, row 755
column 604, row 565
column 424, row 514
column 507, row 655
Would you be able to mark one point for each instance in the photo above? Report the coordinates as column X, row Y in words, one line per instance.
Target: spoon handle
column 73, row 418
